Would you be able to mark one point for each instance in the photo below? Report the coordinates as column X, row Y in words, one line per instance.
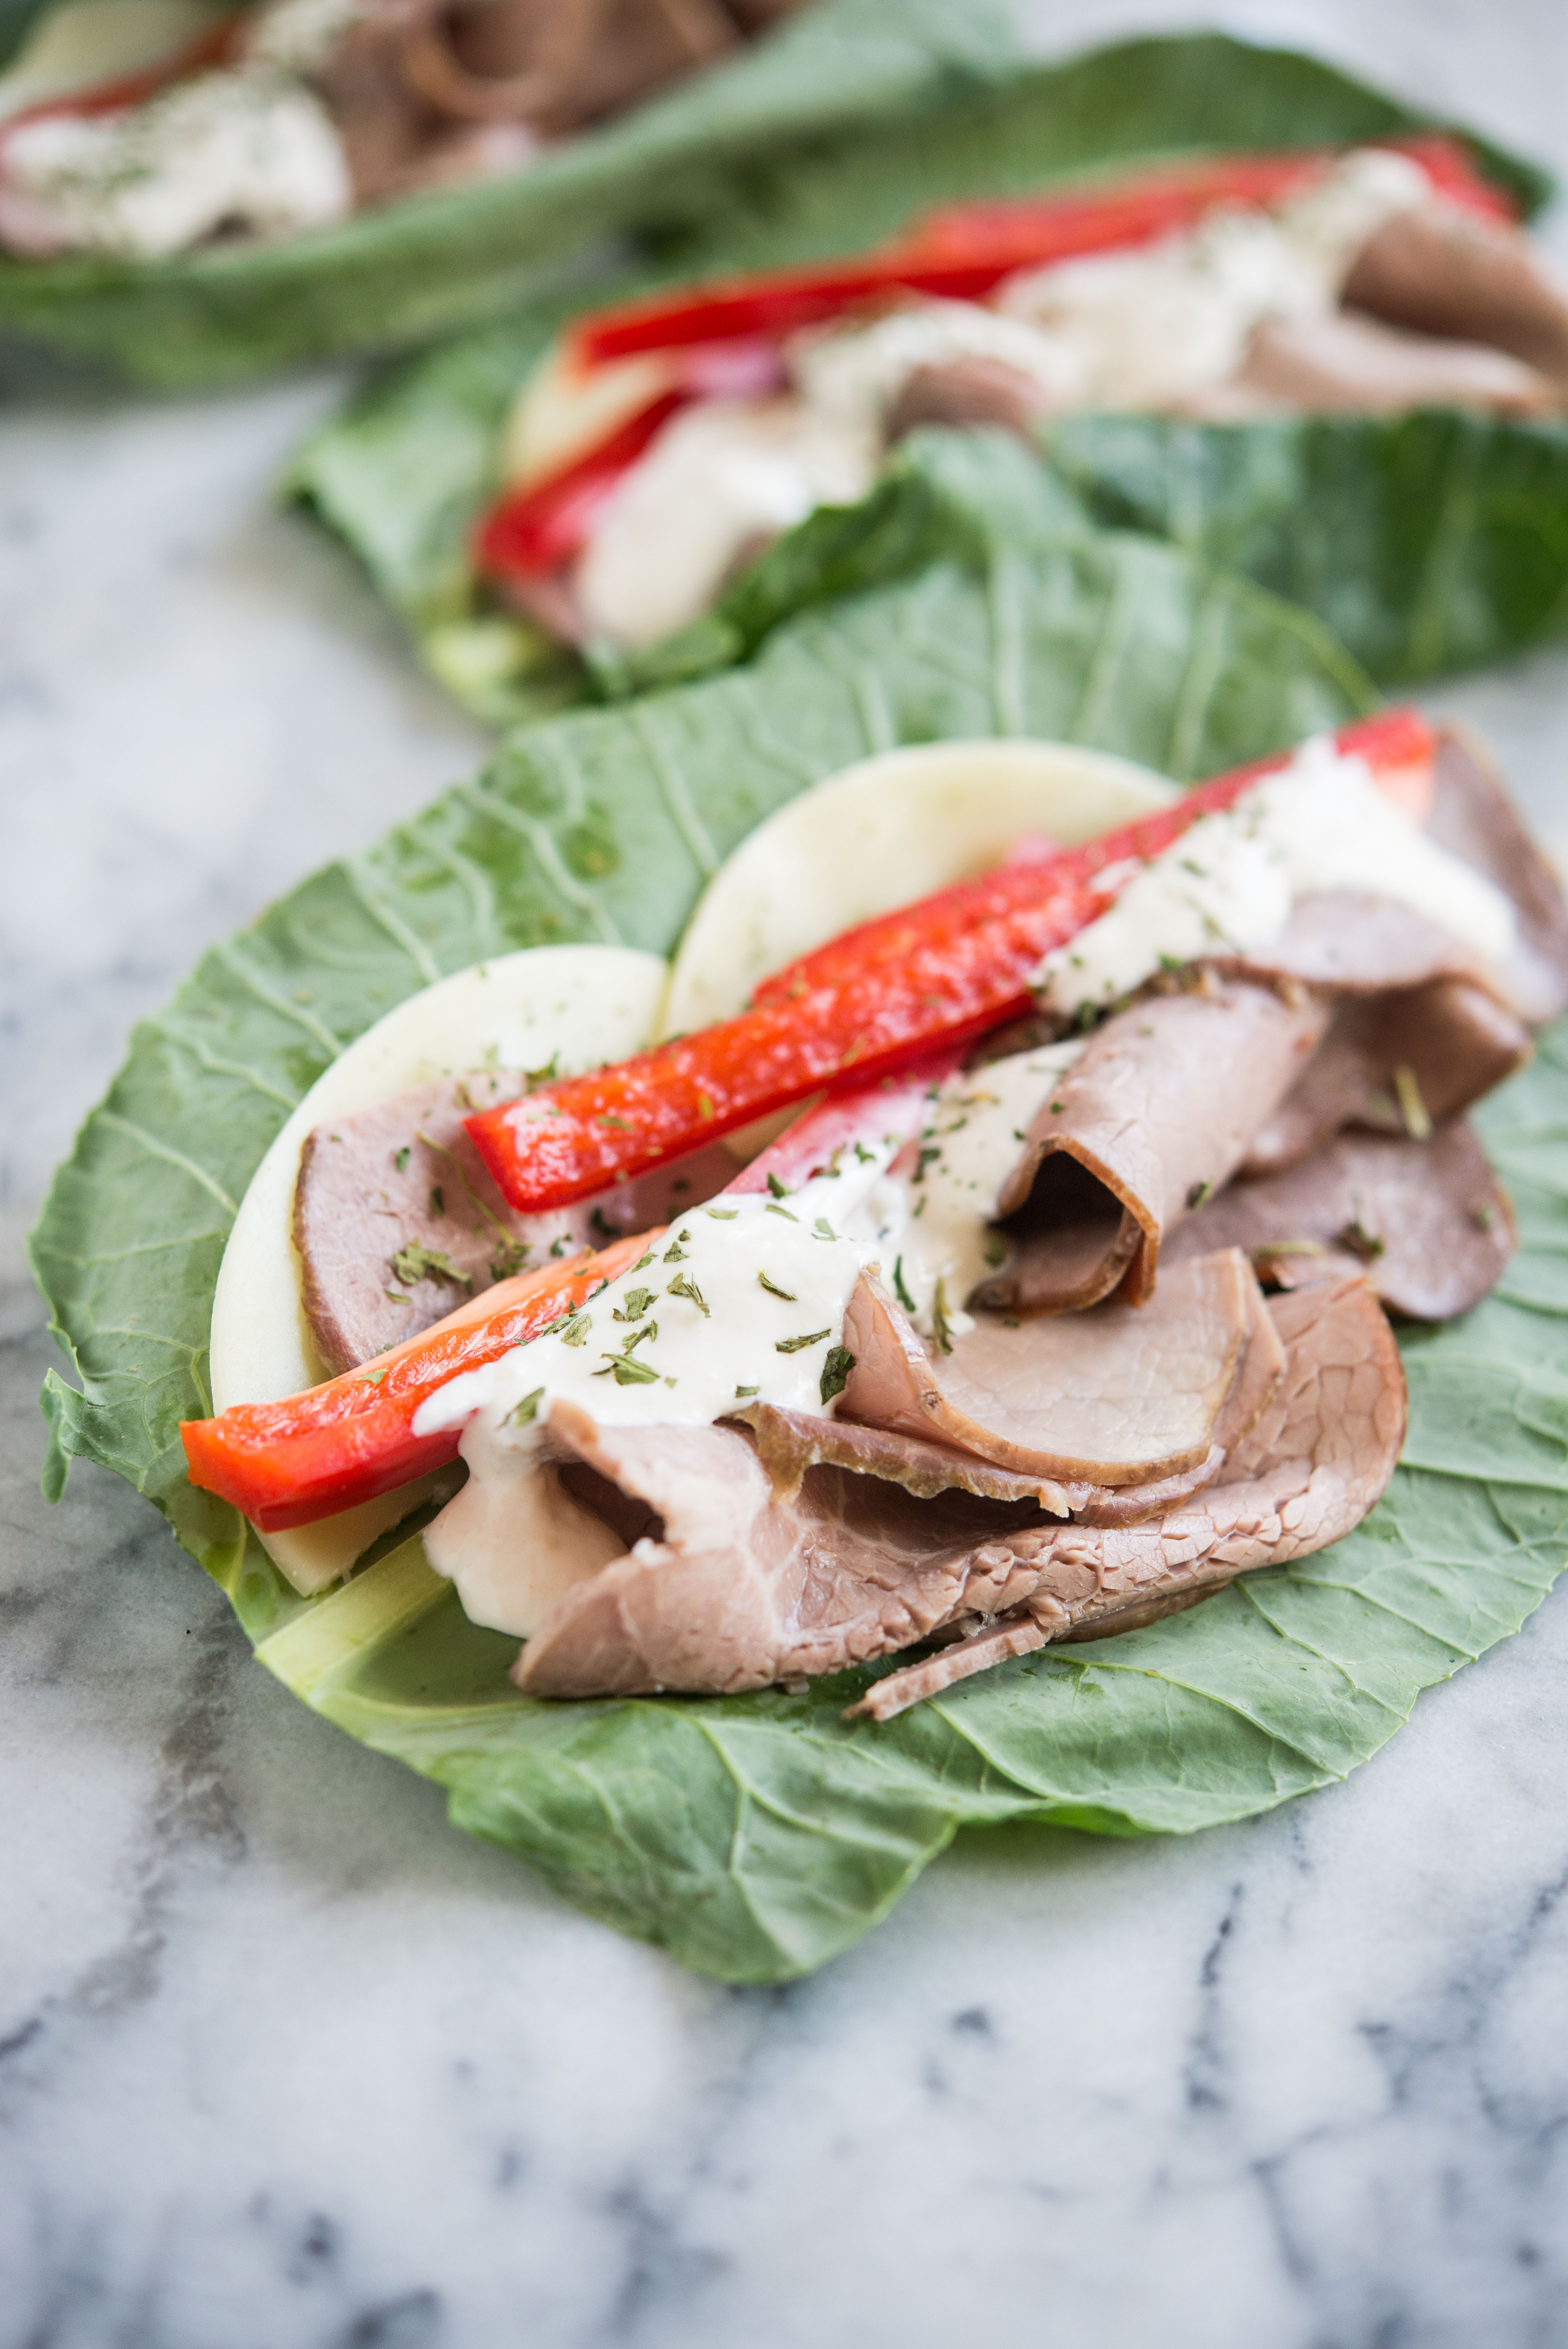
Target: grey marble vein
column 285, row 2063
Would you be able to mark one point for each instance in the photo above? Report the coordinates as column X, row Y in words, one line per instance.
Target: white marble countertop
column 287, row 2064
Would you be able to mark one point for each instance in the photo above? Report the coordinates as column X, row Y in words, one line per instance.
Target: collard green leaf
column 401, row 273
column 404, row 472
column 1430, row 542
column 755, row 1836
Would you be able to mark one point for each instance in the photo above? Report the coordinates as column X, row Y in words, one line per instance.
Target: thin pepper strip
column 315, row 1455
column 1129, row 211
column 963, row 251
column 530, row 532
column 936, row 974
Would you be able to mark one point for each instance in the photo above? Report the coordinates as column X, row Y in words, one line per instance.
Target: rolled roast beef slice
column 1428, row 1221
column 1343, row 361
column 1117, row 1395
column 1318, row 1460
column 1448, row 1041
column 405, row 1174
column 968, row 392
column 1157, row 1112
column 1440, row 271
column 1473, row 815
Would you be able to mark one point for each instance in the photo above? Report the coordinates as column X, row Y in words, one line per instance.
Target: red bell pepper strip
column 534, row 530
column 1131, row 212
column 963, row 251
column 314, row 1454
column 936, row 974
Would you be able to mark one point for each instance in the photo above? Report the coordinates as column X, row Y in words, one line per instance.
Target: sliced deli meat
column 1396, row 1063
column 1473, row 817
column 733, row 1587
column 1155, row 1114
column 1428, row 1221
column 396, row 1220
column 1440, row 270
column 1116, row 1395
column 1317, row 1462
column 1343, row 361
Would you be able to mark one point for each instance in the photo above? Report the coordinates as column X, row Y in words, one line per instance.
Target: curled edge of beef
column 1158, row 1110
column 402, row 1179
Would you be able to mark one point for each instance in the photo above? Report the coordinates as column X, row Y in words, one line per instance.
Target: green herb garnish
column 774, row 1291
column 899, row 1290
column 684, row 1286
column 508, row 1258
column 400, row 1159
column 636, row 1304
column 836, row 1371
column 940, row 1323
column 628, row 1373
column 795, row 1345
column 527, row 1411
column 414, row 1263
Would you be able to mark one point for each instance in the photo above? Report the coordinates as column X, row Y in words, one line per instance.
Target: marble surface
column 285, row 2063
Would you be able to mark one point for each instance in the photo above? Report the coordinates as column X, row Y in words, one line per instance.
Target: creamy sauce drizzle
column 722, row 477
column 734, row 1340
column 930, row 1214
column 1229, row 883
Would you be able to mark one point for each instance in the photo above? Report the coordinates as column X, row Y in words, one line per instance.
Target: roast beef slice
column 1473, row 816
column 1343, row 361
column 738, row 1588
column 1440, row 271
column 733, row 1588
column 789, row 1443
column 975, row 391
column 1157, row 1112
column 1116, row 1395
column 1428, row 1220
column 405, row 1176
column 1396, row 1063
column 1318, row 1460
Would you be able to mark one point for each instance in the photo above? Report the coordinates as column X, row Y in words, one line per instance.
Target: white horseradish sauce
column 931, row 1214
column 721, row 478
column 1228, row 883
